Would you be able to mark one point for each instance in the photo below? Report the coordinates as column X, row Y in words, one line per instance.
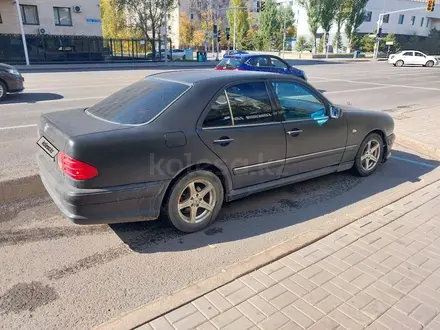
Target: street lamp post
column 23, row 35
column 166, row 34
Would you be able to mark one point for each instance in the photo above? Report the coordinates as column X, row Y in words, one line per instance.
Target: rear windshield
column 138, row 103
column 230, row 63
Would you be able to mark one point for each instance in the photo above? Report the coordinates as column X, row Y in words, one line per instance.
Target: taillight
column 75, row 169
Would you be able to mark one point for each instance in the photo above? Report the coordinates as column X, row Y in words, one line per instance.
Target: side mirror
column 335, row 112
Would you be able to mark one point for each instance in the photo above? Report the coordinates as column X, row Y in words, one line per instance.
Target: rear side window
column 219, row 115
column 138, row 103
column 230, row 63
column 250, row 103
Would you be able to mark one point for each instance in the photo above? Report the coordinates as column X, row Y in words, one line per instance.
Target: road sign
column 390, row 43
column 228, row 30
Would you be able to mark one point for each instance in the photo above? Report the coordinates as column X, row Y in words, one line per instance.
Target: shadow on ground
column 277, row 209
column 31, row 98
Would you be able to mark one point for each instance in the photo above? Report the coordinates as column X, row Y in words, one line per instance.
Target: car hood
column 6, row 66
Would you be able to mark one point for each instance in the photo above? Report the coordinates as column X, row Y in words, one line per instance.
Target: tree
column 302, row 44
column 186, row 30
column 114, row 22
column 269, row 26
column 242, row 21
column 286, row 19
column 341, row 15
column 367, row 43
column 321, row 45
column 355, row 17
column 147, row 15
column 312, row 9
column 326, row 13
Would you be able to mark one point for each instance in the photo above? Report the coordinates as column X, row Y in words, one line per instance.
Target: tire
column 188, row 191
column 399, row 63
column 184, row 57
column 429, row 64
column 3, row 91
column 363, row 160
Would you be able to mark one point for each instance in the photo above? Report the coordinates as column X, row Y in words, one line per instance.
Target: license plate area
column 48, row 147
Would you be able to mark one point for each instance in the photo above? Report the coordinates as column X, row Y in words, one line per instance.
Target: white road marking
column 16, row 127
column 379, row 84
column 357, row 90
column 413, row 162
column 51, row 101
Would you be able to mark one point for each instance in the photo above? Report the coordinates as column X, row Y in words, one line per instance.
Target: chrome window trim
column 230, row 109
column 316, row 153
column 305, row 119
column 246, row 125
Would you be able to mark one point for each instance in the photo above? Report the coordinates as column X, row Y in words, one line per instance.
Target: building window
column 62, row 16
column 413, row 20
column 368, row 16
column 29, row 15
column 401, row 18
column 422, row 21
column 386, row 18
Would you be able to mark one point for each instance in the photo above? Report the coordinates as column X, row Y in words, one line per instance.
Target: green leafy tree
column 367, row 43
column 312, row 10
column 186, row 30
column 355, row 17
column 269, row 26
column 147, row 15
column 326, row 13
column 321, row 45
column 302, row 44
column 286, row 19
column 340, row 18
column 390, row 37
column 242, row 20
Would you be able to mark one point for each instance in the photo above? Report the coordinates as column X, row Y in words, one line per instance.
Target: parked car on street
column 181, row 143
column 11, row 81
column 259, row 62
column 412, row 57
column 235, row 52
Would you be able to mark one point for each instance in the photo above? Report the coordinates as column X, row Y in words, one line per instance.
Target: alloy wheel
column 197, row 201
column 370, row 155
column 2, row 91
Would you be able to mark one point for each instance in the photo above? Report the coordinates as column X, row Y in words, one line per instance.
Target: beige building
column 52, row 17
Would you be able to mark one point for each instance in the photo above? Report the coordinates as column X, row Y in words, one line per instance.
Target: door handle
column 223, row 141
column 295, row 132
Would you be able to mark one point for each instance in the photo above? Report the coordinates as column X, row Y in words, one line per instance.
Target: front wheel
column 3, row 91
column 399, row 63
column 369, row 155
column 430, row 64
column 194, row 201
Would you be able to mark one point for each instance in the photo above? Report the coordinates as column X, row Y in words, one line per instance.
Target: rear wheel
column 3, row 91
column 194, row 201
column 369, row 155
column 399, row 63
column 430, row 64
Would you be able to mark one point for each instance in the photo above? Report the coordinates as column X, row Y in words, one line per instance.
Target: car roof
column 197, row 76
column 244, row 55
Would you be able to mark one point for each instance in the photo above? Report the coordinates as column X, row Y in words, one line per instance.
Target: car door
column 408, row 58
column 420, row 58
column 243, row 130
column 257, row 63
column 314, row 141
column 278, row 65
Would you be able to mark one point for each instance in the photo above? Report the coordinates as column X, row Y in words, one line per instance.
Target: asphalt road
column 367, row 85
column 55, row 275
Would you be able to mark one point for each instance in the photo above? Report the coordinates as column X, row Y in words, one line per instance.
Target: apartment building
column 52, row 17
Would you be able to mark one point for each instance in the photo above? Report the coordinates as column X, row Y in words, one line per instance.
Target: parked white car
column 412, row 57
column 177, row 54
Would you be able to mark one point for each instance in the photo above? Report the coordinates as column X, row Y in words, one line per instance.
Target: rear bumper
column 136, row 202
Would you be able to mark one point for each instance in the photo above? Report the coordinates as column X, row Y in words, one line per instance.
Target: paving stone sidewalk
column 419, row 126
column 380, row 272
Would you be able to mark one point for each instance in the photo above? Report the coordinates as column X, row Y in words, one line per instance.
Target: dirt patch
column 27, row 297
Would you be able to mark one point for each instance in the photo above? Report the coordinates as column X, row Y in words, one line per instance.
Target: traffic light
column 258, row 6
column 228, row 36
column 430, row 6
column 214, row 29
column 262, row 5
column 219, row 37
column 379, row 33
column 228, row 30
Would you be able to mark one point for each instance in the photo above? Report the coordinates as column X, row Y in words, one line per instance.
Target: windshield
column 230, row 63
column 138, row 103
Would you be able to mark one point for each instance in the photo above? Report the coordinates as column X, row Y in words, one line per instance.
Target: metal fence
column 50, row 49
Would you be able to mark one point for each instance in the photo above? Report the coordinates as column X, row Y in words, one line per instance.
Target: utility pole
column 23, row 35
column 235, row 23
column 284, row 31
column 166, row 35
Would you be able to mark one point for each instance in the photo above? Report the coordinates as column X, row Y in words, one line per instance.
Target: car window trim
column 326, row 102
column 275, row 112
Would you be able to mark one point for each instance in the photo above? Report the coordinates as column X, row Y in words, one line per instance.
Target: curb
column 20, row 188
column 424, row 148
column 158, row 308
